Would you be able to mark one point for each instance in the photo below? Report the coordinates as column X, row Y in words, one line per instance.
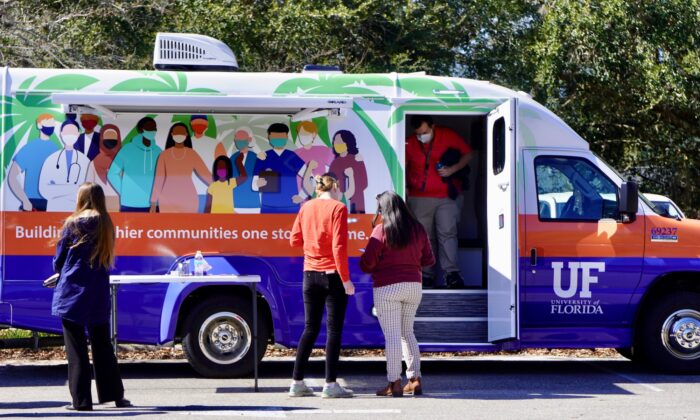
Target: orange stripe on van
column 162, row 234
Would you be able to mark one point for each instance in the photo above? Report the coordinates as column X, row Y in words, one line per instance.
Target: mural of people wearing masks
column 221, row 190
column 247, row 200
column 276, row 172
column 207, row 148
column 30, row 159
column 134, row 168
column 173, row 189
column 88, row 142
column 350, row 170
column 110, row 142
column 318, row 157
column 64, row 171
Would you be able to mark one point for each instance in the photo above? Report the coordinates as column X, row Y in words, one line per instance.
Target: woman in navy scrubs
column 84, row 256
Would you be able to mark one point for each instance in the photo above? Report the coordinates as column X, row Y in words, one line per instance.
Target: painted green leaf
column 66, row 82
column 142, row 84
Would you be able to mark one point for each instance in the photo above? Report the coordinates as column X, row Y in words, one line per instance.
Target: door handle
column 533, row 257
column 503, row 186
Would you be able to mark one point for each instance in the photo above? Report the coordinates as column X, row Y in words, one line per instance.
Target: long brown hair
column 91, row 203
column 400, row 226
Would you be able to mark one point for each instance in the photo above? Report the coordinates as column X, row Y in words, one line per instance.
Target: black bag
column 449, row 158
column 52, row 281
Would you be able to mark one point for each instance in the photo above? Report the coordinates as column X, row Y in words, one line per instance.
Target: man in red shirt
column 429, row 191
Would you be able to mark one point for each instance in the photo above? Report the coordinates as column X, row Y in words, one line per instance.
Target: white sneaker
column 300, row 390
column 336, row 391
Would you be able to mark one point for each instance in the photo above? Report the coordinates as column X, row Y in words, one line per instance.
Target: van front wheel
column 671, row 334
column 218, row 339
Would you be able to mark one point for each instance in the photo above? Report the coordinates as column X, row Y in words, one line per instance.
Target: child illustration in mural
column 30, row 159
column 110, row 142
column 173, row 189
column 350, row 170
column 134, row 168
column 221, row 191
column 247, row 200
column 88, row 142
column 208, row 149
column 276, row 172
column 317, row 157
column 63, row 171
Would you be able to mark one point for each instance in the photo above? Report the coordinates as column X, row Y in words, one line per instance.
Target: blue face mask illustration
column 47, row 130
column 150, row 135
column 278, row 142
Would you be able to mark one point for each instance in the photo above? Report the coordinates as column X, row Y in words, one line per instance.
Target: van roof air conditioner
column 192, row 52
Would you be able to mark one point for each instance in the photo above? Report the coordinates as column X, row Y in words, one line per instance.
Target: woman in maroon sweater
column 397, row 251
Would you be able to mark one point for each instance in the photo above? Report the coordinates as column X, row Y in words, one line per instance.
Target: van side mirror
column 629, row 201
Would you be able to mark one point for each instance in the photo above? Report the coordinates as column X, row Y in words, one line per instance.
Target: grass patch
column 10, row 333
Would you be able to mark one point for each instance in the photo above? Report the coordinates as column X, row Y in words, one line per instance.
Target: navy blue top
column 82, row 293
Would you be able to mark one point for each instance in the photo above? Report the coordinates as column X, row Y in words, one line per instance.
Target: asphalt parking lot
column 511, row 387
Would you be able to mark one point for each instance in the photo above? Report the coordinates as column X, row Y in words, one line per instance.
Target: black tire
column 226, row 326
column 670, row 334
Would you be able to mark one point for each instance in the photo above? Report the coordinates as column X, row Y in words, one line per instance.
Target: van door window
column 499, row 145
column 573, row 189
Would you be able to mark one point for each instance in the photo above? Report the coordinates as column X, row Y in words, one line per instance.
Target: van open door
column 502, row 223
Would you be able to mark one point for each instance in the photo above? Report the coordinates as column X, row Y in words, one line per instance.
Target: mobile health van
column 556, row 248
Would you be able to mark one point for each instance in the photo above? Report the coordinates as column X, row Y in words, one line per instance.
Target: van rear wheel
column 670, row 339
column 218, row 339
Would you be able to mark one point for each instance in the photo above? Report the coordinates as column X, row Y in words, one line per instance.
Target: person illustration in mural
column 350, row 170
column 318, row 157
column 29, row 160
column 110, row 142
column 173, row 189
column 134, row 168
column 275, row 174
column 88, row 142
column 247, row 200
column 221, row 197
column 207, row 148
column 63, row 171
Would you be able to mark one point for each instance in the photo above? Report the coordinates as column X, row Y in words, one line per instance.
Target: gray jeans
column 439, row 217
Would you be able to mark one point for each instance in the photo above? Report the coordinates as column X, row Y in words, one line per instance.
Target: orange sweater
column 321, row 228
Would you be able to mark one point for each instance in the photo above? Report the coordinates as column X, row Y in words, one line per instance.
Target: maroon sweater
column 389, row 266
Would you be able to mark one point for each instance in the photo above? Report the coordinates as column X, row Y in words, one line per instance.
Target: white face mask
column 306, row 140
column 179, row 138
column 424, row 138
column 69, row 139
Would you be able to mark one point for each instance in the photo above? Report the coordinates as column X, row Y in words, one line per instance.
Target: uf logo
column 586, row 278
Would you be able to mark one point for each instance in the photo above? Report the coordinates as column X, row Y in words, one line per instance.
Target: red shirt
column 321, row 228
column 416, row 152
column 389, row 266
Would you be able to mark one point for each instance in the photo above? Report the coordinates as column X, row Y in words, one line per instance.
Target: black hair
column 229, row 167
column 349, row 139
column 418, row 120
column 142, row 122
column 400, row 226
column 170, row 142
column 277, row 128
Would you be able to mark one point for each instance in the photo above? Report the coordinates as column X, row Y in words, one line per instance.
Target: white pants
column 396, row 308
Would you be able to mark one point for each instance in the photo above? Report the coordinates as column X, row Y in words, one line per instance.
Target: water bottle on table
column 199, row 264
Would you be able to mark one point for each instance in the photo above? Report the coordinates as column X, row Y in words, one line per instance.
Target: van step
column 457, row 331
column 453, row 303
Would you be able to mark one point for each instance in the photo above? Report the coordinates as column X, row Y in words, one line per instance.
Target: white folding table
column 251, row 281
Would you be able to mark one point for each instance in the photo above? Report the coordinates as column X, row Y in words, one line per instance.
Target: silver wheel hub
column 224, row 338
column 681, row 334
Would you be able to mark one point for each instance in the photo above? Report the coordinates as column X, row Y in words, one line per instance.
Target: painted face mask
column 306, row 140
column 241, row 144
column 89, row 124
column 278, row 142
column 179, row 138
column 110, row 143
column 340, row 148
column 199, row 129
column 69, row 139
column 47, row 130
column 150, row 135
column 424, row 138
column 221, row 173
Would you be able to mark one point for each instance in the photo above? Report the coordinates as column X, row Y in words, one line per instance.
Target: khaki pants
column 439, row 217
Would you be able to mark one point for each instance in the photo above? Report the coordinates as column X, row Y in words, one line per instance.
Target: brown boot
column 392, row 389
column 413, row 387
